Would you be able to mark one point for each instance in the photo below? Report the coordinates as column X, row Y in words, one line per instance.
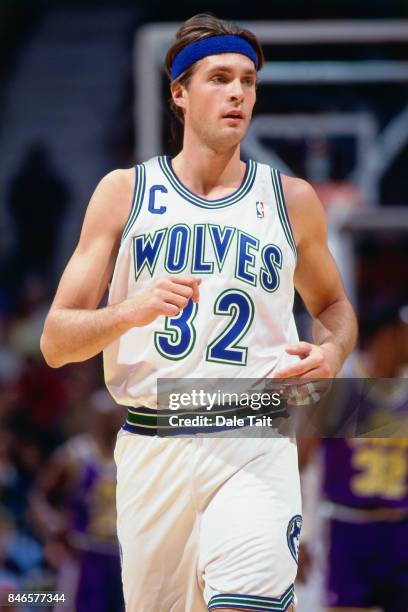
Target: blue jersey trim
column 286, row 213
column 138, row 195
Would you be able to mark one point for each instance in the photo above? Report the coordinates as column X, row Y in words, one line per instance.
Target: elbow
column 50, row 358
column 48, row 350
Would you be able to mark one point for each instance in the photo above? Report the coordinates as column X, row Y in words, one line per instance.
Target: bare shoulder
column 111, row 201
column 120, row 179
column 117, row 186
column 305, row 210
column 299, row 194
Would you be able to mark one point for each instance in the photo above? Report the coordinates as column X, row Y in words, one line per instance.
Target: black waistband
column 166, row 422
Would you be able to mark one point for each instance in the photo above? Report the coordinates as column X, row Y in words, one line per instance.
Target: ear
column 178, row 93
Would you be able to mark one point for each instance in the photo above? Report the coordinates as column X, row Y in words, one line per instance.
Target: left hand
column 316, row 361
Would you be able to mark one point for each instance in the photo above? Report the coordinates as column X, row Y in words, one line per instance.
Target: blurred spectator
column 39, row 399
column 28, row 317
column 37, row 201
column 81, row 381
column 22, row 562
column 36, row 395
column 74, row 510
column 10, row 360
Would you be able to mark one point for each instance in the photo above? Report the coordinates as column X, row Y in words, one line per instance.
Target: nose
column 235, row 90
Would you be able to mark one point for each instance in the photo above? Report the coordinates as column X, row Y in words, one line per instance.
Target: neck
column 203, row 169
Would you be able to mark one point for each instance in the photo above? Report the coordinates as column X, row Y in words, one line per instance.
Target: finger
column 186, row 280
column 315, row 373
column 174, row 298
column 298, row 368
column 196, row 292
column 189, row 289
column 182, row 290
column 302, row 348
column 169, row 310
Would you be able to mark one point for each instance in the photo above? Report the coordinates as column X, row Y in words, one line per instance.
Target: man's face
column 219, row 99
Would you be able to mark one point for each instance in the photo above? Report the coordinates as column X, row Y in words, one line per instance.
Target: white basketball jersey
column 241, row 246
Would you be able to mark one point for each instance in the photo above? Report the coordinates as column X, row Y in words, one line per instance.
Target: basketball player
column 366, row 501
column 202, row 255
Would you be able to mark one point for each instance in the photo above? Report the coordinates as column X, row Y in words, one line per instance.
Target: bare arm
column 318, row 281
column 75, row 328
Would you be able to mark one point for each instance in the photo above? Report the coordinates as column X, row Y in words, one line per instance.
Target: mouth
column 234, row 115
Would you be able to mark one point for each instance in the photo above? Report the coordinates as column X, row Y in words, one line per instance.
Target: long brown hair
column 204, row 25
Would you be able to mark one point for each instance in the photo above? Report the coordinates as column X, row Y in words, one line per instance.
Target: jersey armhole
column 138, row 193
column 282, row 210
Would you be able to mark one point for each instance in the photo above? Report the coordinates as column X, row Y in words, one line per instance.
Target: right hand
column 167, row 296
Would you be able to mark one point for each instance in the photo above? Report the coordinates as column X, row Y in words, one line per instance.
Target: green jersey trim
column 252, row 602
column 244, row 189
column 282, row 211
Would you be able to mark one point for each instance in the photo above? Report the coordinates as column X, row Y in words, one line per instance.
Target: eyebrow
column 222, row 68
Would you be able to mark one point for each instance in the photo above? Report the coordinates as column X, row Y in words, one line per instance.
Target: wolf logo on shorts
column 293, row 535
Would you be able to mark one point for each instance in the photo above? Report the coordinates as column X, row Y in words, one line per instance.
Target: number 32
column 178, row 339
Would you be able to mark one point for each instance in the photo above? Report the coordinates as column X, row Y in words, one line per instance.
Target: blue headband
column 214, row 45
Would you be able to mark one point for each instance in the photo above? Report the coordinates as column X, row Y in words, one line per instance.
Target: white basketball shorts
column 207, row 523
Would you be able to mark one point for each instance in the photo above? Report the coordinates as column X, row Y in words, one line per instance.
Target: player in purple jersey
column 365, row 485
column 74, row 507
column 367, row 502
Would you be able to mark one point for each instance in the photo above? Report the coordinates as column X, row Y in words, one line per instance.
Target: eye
column 249, row 82
column 218, row 78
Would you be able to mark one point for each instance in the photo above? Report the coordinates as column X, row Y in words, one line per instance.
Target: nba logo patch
column 260, row 210
column 293, row 535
